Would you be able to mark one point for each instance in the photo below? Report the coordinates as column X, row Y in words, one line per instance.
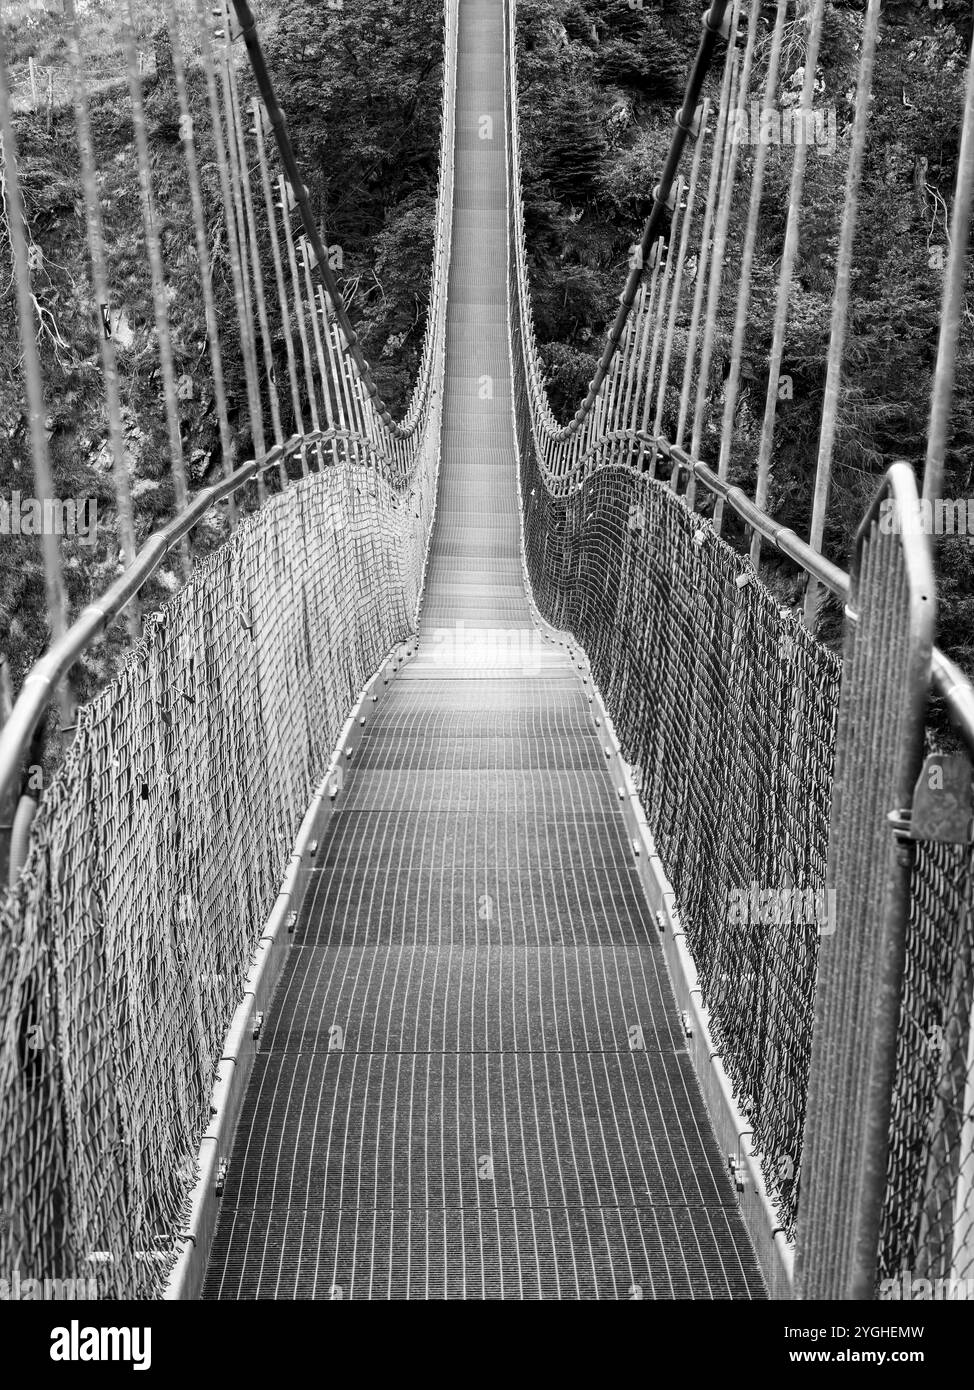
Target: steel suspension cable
column 718, row 165
column 788, row 258
column 188, row 138
column 702, row 119
column 248, row 26
column 282, row 294
column 99, row 279
column 646, row 316
column 238, row 239
column 732, row 384
column 740, row 101
column 326, row 394
column 840, row 300
column 284, row 207
column 681, row 212
column 157, row 275
column 713, row 25
column 229, row 216
column 717, row 254
column 953, row 300
column 253, row 253
column 55, row 596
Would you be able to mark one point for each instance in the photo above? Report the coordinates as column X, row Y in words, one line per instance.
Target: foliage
column 615, row 73
column 362, row 90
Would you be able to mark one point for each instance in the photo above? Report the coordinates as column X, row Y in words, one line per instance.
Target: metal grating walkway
column 477, row 931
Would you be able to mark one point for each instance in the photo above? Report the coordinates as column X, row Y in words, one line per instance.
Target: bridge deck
column 478, row 932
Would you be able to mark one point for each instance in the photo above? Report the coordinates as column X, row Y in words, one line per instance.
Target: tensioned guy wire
column 681, row 211
column 718, row 164
column 701, row 124
column 237, row 228
column 33, row 378
column 270, row 214
column 230, row 224
column 953, row 300
column 840, row 299
column 99, row 278
column 732, row 385
column 250, row 226
column 284, row 207
column 150, row 226
column 786, row 270
column 187, row 136
column 717, row 253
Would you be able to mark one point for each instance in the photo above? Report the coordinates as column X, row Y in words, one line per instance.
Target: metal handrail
column 947, row 678
column 56, row 663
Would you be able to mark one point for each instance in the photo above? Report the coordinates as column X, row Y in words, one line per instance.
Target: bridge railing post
column 880, row 739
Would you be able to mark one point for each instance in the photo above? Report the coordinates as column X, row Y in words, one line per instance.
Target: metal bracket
column 670, row 198
column 724, row 27
column 693, row 128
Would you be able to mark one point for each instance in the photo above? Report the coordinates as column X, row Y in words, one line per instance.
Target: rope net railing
column 148, row 865
column 725, row 702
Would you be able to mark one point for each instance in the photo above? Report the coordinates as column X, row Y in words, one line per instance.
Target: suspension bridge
column 375, row 936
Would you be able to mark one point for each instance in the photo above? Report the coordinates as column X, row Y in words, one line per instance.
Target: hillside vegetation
column 600, row 80
column 599, row 83
column 362, row 90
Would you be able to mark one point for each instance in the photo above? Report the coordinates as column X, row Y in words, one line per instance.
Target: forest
column 599, row 81
column 598, row 84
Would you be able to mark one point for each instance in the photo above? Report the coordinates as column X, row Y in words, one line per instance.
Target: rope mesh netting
column 158, row 849
column 726, row 708
column 923, row 1220
column 155, row 858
